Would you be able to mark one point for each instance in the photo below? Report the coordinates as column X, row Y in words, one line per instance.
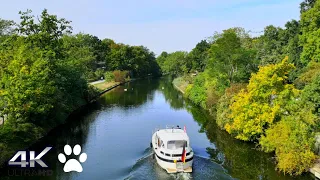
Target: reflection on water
column 115, row 132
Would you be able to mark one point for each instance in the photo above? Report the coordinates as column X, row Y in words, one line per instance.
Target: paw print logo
column 72, row 164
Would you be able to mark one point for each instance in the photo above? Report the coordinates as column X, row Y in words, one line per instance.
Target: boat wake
column 203, row 168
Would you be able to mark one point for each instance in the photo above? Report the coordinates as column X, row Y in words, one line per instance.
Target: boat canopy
column 173, row 136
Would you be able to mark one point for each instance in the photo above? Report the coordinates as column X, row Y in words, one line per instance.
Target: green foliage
column 229, row 61
column 258, row 107
column 308, row 74
column 99, row 73
column 108, row 76
column 197, row 91
column 306, row 5
column 176, row 63
column 310, row 27
column 80, row 54
column 223, row 110
column 6, row 27
column 271, row 49
column 292, row 138
column 121, row 76
column 311, row 93
column 136, row 59
column 199, row 56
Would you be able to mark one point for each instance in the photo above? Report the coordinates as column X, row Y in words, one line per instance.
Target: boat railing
column 167, row 127
column 155, row 130
column 171, row 127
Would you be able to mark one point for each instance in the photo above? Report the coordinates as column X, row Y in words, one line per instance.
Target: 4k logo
column 32, row 159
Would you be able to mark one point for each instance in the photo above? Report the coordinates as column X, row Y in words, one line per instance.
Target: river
column 115, row 134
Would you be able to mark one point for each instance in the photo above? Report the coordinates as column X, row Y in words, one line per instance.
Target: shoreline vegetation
column 263, row 89
column 45, row 70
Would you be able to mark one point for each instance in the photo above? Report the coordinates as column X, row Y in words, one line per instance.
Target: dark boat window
column 168, row 155
column 161, row 152
column 176, row 155
column 179, row 155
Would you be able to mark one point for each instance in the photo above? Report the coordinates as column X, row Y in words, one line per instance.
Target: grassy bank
column 181, row 84
column 105, row 85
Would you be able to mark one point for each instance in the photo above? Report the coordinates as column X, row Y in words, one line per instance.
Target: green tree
column 228, row 60
column 271, row 50
column 311, row 93
column 79, row 54
column 199, row 56
column 6, row 27
column 39, row 79
column 161, row 59
column 292, row 137
column 306, row 5
column 175, row 63
column 309, row 39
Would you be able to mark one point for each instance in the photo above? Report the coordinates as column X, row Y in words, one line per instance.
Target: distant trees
column 175, row 63
column 137, row 59
column 181, row 62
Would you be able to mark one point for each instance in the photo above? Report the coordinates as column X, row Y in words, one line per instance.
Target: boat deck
column 188, row 170
column 316, row 169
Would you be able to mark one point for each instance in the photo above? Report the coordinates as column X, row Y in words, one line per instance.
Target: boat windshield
column 175, row 144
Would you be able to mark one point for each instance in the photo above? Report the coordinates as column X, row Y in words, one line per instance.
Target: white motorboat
column 172, row 149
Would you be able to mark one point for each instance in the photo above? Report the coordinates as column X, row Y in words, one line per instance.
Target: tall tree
column 6, row 27
column 256, row 108
column 306, row 5
column 309, row 39
column 272, row 42
column 199, row 55
column 229, row 61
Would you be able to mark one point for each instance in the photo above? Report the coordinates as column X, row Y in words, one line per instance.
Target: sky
column 160, row 25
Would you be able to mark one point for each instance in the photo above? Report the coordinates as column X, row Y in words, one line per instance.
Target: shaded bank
column 16, row 144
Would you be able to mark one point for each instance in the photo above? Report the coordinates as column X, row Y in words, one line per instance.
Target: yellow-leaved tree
column 257, row 107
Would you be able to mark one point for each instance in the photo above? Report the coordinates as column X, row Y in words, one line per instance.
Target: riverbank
column 7, row 149
column 103, row 85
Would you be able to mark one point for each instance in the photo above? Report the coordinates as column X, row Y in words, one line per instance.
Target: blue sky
column 160, row 25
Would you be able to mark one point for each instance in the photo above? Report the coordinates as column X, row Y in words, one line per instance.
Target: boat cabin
column 171, row 139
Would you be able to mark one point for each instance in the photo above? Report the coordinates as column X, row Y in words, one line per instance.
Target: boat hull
column 172, row 164
column 174, row 167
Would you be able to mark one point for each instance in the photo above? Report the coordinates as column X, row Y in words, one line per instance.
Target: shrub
column 121, row 76
column 311, row 93
column 90, row 93
column 197, row 93
column 99, row 73
column 223, row 110
column 212, row 99
column 292, row 139
column 109, row 76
